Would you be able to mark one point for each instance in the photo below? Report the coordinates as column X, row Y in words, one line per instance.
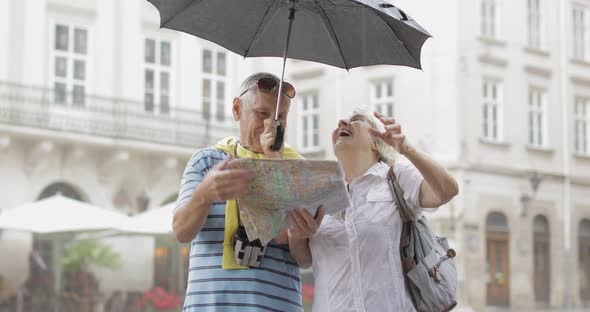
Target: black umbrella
column 342, row 33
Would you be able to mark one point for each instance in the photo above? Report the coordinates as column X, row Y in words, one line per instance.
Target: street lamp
column 535, row 180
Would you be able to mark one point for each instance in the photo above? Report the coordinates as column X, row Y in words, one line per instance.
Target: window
column 69, row 59
column 310, row 122
column 537, row 117
column 171, row 266
column 492, row 109
column 185, row 255
column 157, row 75
column 580, row 38
column 534, row 24
column 581, row 122
column 489, row 12
column 382, row 99
column 163, row 266
column 214, row 68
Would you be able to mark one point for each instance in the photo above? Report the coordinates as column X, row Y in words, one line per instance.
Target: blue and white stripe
column 274, row 286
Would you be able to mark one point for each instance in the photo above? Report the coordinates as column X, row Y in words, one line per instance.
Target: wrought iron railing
column 43, row 108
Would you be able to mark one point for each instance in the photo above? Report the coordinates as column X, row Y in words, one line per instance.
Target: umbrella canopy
column 342, row 33
column 156, row 221
column 59, row 214
column 60, row 218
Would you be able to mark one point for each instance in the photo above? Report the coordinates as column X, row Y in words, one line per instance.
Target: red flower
column 307, row 293
column 161, row 299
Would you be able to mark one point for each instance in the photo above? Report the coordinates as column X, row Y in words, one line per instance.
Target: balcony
column 43, row 108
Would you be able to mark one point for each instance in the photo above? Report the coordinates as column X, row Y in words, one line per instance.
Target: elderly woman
column 355, row 255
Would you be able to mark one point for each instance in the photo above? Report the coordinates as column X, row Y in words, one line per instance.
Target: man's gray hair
column 248, row 83
column 253, row 79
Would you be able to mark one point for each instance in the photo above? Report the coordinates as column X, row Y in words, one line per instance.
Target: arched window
column 61, row 188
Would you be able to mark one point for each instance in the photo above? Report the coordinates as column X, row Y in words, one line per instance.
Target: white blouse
column 356, row 261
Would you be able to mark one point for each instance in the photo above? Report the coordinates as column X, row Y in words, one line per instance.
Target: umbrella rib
column 178, row 12
column 330, row 29
column 260, row 27
column 393, row 31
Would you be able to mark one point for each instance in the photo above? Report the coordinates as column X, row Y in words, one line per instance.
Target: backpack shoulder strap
column 406, row 212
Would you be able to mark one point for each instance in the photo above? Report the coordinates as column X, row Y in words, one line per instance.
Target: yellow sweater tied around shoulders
column 228, row 145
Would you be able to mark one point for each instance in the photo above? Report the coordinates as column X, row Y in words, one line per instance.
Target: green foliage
column 170, row 199
column 84, row 254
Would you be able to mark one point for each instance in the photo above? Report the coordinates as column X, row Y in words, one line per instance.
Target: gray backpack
column 427, row 260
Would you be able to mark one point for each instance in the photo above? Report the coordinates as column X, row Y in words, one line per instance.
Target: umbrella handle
column 278, row 143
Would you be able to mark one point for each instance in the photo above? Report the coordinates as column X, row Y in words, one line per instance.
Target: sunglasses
column 268, row 85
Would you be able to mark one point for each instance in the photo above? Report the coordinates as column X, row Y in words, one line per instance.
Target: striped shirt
column 274, row 286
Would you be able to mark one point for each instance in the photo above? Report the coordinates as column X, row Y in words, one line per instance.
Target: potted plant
column 79, row 258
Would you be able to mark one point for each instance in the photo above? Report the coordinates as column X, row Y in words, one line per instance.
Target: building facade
column 98, row 104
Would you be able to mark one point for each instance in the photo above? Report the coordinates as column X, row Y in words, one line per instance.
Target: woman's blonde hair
column 385, row 152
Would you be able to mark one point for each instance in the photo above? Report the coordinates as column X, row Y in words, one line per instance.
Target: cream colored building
column 97, row 103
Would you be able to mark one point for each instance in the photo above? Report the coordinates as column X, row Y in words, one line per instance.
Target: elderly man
column 206, row 213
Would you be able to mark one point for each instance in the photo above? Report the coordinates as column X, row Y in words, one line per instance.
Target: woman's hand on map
column 303, row 224
column 223, row 183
